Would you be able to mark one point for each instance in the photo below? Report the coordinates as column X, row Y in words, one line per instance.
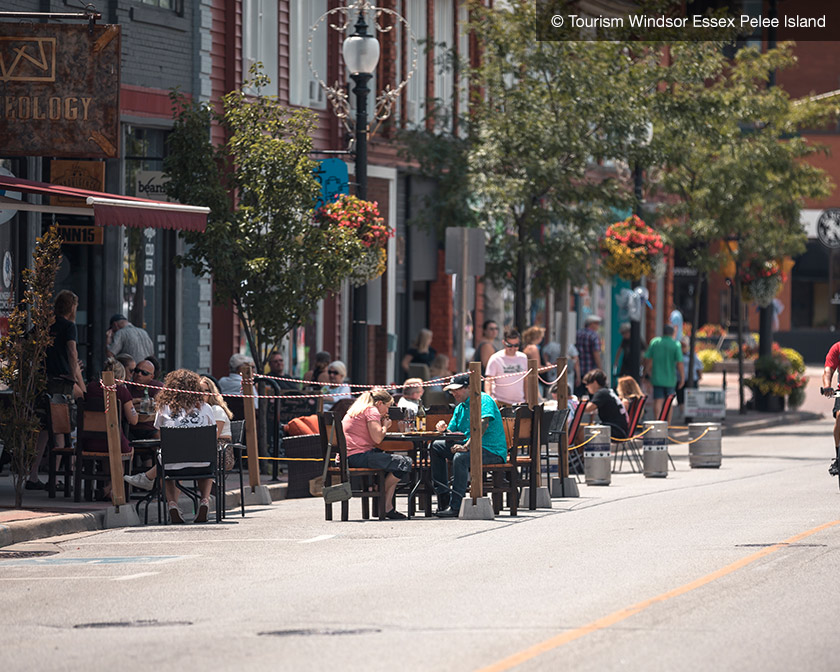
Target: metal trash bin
column 655, row 453
column 597, row 463
column 704, row 452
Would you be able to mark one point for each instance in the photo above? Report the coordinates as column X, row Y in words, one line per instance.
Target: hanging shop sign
column 88, row 175
column 59, row 90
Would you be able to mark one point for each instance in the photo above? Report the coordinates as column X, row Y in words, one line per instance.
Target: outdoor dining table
column 418, row 445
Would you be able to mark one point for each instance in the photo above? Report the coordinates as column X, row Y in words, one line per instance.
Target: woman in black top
column 421, row 352
column 604, row 400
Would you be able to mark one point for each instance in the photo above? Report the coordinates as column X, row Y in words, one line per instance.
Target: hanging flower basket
column 761, row 281
column 631, row 249
column 362, row 218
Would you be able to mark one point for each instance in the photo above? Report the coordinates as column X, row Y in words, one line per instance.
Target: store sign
column 59, row 90
column 705, row 402
column 88, row 175
column 151, row 184
column 80, row 235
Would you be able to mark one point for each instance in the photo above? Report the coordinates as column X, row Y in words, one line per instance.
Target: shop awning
column 106, row 209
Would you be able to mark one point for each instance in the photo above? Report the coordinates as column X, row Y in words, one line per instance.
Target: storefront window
column 146, row 252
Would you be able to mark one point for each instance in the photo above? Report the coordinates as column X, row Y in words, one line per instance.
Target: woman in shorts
column 365, row 425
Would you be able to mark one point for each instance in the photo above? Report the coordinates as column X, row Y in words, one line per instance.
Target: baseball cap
column 458, row 382
column 117, row 317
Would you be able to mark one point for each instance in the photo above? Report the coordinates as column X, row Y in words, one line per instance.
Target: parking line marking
column 622, row 614
column 320, row 537
column 130, row 577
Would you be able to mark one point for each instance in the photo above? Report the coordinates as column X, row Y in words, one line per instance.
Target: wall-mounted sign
column 7, row 213
column 151, row 184
column 88, row 175
column 828, row 228
column 80, row 235
column 59, row 90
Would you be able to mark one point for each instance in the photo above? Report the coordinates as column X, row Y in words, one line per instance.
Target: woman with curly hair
column 178, row 405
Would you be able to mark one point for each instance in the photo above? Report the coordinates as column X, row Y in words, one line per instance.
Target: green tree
column 261, row 247
column 22, row 354
column 732, row 157
column 550, row 112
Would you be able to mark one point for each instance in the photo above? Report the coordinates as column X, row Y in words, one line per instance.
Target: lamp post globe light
column 360, row 51
column 636, row 325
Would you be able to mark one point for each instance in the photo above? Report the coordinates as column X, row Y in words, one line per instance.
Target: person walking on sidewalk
column 664, row 366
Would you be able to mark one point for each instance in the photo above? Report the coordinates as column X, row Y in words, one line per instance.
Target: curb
column 51, row 526
column 73, row 523
column 787, row 418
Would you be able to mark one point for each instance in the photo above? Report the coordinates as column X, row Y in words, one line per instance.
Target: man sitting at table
column 493, row 444
column 412, row 395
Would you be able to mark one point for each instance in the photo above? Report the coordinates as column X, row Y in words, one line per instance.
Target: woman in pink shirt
column 365, row 425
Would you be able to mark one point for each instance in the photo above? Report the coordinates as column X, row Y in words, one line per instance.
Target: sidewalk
column 44, row 517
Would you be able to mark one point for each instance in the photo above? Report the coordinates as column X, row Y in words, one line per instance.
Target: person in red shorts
column 832, row 363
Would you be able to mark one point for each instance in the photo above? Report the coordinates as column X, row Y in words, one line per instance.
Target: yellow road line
column 622, row 614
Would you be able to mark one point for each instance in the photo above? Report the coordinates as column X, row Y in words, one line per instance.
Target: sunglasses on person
column 510, row 345
column 333, row 372
column 143, row 372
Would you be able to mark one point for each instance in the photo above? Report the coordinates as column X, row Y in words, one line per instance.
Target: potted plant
column 778, row 375
column 363, row 220
column 631, row 249
column 761, row 281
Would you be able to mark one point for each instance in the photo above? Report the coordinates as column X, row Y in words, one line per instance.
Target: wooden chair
column 371, row 481
column 522, row 434
column 93, row 465
column 436, row 413
column 190, row 444
column 630, row 446
column 58, row 422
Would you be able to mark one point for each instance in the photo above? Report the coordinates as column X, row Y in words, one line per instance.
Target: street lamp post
column 636, row 325
column 361, row 56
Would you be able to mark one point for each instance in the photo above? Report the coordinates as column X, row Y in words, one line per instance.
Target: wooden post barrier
column 251, row 429
column 476, row 462
column 563, row 402
column 532, row 397
column 112, row 428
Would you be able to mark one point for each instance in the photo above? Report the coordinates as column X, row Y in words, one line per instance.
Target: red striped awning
column 106, row 209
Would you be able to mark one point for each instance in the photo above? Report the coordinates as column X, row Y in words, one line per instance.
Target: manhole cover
column 308, row 632
column 132, row 624
column 16, row 555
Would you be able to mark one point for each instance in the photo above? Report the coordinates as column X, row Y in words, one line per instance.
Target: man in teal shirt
column 664, row 367
column 493, row 444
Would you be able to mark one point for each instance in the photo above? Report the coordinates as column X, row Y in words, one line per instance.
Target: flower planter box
column 769, row 403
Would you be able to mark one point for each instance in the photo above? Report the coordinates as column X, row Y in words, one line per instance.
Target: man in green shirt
column 664, row 367
column 493, row 444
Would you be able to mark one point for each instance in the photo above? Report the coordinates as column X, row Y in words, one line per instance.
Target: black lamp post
column 636, row 325
column 361, row 55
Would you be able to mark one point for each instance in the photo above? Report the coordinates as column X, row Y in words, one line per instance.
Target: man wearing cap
column 588, row 344
column 124, row 337
column 493, row 444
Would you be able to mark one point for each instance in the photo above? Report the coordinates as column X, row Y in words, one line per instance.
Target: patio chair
column 93, row 465
column 190, row 444
column 370, row 482
column 630, row 446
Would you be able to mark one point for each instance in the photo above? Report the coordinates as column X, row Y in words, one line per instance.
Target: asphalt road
column 710, row 569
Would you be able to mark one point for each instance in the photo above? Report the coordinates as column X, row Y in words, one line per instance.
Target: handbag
column 331, row 493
